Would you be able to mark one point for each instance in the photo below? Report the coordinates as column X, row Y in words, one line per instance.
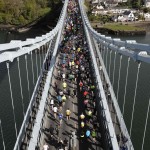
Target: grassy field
column 122, row 27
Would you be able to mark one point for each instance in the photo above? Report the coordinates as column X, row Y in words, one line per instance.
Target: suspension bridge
column 31, row 77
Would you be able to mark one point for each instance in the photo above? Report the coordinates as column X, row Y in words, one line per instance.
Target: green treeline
column 21, row 12
column 137, row 4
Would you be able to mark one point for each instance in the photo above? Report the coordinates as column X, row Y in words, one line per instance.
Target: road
column 73, row 49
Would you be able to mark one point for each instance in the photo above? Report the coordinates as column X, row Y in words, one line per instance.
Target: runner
column 60, row 145
column 86, row 101
column 68, row 112
column 94, row 135
column 55, row 111
column 82, row 116
column 85, row 93
column 63, row 76
column 56, row 87
column 74, row 93
column 52, row 104
column 60, row 116
column 66, row 143
column 89, row 114
column 64, row 85
column 51, row 130
column 61, row 93
column 82, row 124
column 69, row 93
column 63, row 100
column 81, row 85
column 59, row 98
column 45, row 147
column 88, row 133
column 82, row 136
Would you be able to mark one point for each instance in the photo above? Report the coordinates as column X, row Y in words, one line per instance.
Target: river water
column 142, row 97
column 6, row 111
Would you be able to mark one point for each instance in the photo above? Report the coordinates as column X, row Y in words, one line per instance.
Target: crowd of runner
column 74, row 80
column 73, row 68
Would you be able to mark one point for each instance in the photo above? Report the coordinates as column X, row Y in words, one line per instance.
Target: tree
column 2, row 5
column 145, row 10
column 24, row 11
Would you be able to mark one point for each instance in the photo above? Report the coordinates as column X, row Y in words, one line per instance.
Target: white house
column 96, row 1
column 97, row 9
column 125, row 16
column 147, row 3
column 96, row 12
column 118, row 11
column 119, row 18
column 129, row 16
column 147, row 16
column 100, row 7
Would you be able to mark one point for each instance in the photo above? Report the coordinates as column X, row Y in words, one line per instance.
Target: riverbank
column 46, row 22
column 125, row 28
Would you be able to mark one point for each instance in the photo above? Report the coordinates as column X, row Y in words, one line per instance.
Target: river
column 142, row 96
column 6, row 111
column 141, row 101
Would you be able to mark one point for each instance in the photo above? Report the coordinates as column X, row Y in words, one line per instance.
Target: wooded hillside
column 20, row 12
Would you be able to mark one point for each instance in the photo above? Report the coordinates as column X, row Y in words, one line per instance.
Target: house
column 98, row 12
column 96, row 1
column 147, row 16
column 97, row 9
column 100, row 7
column 147, row 3
column 119, row 18
column 129, row 16
column 110, row 4
column 125, row 16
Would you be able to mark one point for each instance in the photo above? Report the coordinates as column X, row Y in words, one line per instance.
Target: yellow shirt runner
column 64, row 84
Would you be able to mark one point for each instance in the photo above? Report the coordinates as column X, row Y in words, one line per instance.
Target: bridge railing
column 16, row 48
column 112, row 140
column 130, row 48
column 37, row 41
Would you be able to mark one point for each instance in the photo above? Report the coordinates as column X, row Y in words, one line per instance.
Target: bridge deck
column 73, row 50
column 74, row 102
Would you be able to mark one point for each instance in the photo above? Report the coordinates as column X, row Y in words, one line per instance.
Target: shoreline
column 120, row 32
column 144, row 25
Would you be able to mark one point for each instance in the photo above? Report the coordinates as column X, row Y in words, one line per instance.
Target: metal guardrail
column 110, row 126
column 16, row 48
column 120, row 47
column 116, row 106
column 37, row 126
column 33, row 44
